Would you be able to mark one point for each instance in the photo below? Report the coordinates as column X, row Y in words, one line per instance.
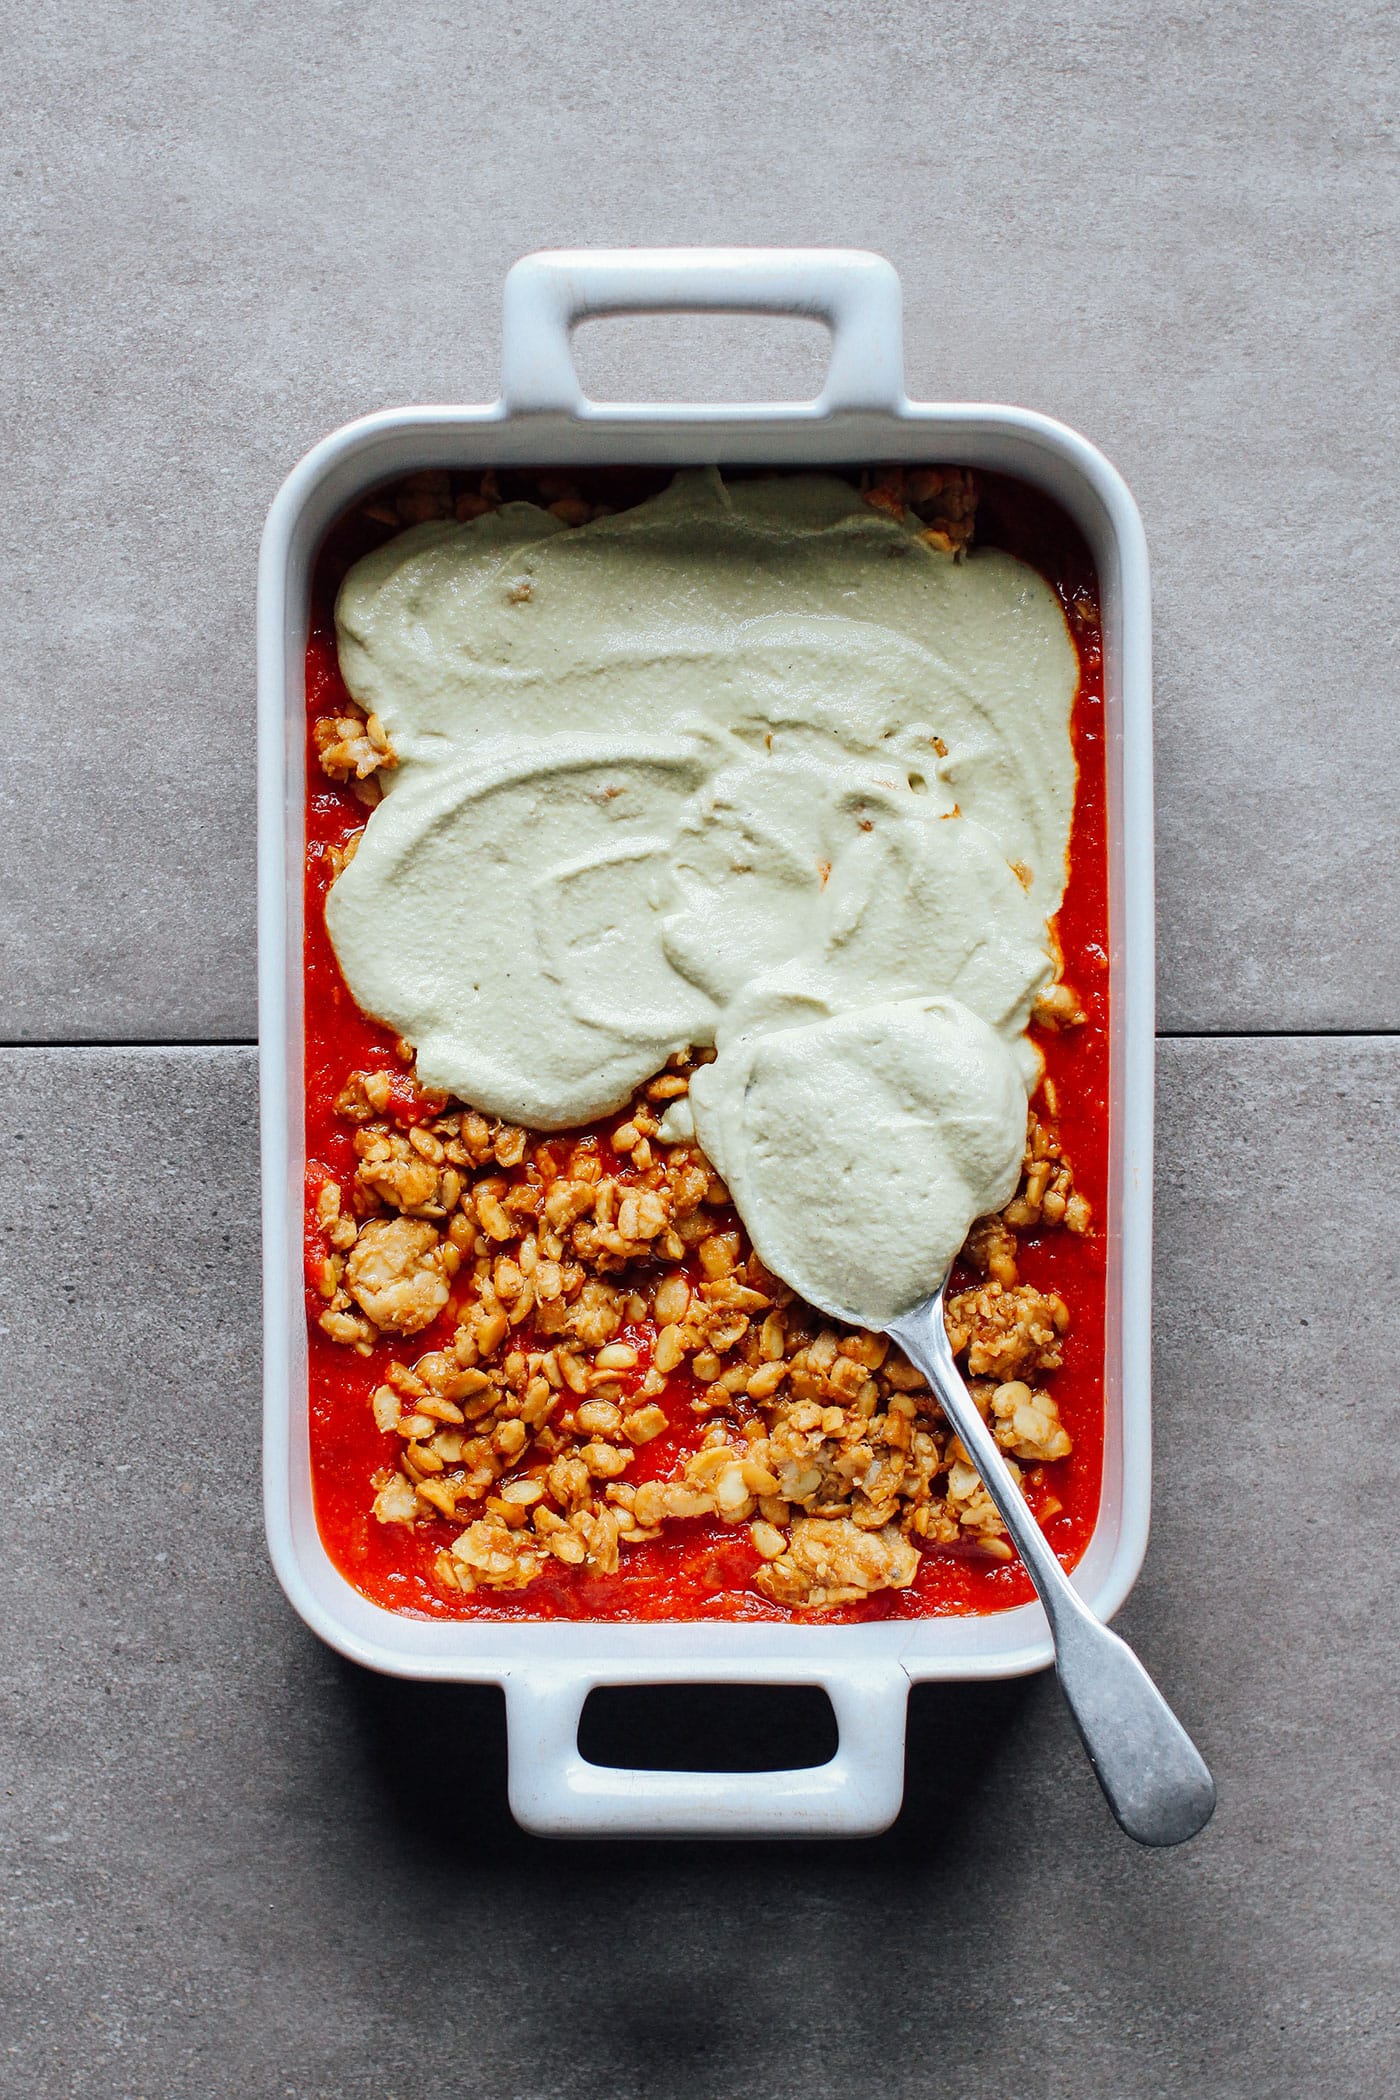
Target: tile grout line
column 1269, row 1035
column 131, row 1042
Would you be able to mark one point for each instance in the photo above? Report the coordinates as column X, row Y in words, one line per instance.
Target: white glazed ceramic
column 542, row 418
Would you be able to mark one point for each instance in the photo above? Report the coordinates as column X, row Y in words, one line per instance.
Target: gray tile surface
column 230, row 227
column 238, row 1867
column 234, row 1865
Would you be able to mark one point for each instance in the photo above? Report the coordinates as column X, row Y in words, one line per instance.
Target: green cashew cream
column 751, row 765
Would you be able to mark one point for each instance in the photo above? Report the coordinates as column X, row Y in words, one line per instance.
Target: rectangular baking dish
column 543, row 419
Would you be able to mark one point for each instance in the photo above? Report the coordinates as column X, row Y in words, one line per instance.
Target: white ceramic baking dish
column 543, row 418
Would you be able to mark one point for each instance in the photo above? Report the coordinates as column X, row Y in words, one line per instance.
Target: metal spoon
column 1155, row 1779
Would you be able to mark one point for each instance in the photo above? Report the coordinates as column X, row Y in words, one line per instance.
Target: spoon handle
column 1155, row 1780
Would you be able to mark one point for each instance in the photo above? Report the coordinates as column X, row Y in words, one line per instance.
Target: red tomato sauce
column 703, row 1569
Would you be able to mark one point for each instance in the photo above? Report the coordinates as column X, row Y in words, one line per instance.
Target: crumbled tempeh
column 582, row 1294
column 971, row 1509
column 834, row 1562
column 1058, row 1007
column 943, row 501
column 991, row 1250
column 352, row 746
column 397, row 1273
column 1046, row 1195
column 1006, row 1333
column 1028, row 1423
column 396, row 1502
column 395, row 1170
column 497, row 1556
column 347, row 1328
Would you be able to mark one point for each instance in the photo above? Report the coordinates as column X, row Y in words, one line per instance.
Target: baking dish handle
column 555, row 1792
column 856, row 294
